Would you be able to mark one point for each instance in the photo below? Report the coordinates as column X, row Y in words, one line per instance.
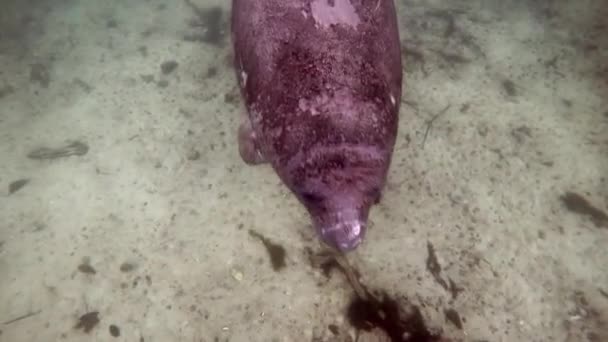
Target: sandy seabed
column 127, row 212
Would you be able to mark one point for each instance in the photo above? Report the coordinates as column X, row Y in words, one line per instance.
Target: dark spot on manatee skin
column 276, row 252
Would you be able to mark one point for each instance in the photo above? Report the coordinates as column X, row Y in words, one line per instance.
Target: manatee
column 321, row 85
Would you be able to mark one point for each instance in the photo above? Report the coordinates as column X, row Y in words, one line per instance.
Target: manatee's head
column 338, row 193
column 340, row 218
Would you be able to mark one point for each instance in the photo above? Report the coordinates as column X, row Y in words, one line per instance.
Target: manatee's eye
column 311, row 197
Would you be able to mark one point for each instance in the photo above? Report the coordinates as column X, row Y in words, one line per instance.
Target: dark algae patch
column 210, row 20
column 433, row 266
column 580, row 205
column 86, row 268
column 509, row 87
column 276, row 252
column 126, row 267
column 334, row 329
column 39, row 73
column 88, row 321
column 168, row 67
column 6, row 90
column 114, row 330
column 386, row 314
column 400, row 320
column 454, row 317
column 328, row 265
column 17, row 185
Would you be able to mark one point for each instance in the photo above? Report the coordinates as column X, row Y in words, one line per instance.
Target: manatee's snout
column 344, row 235
column 339, row 212
column 343, row 228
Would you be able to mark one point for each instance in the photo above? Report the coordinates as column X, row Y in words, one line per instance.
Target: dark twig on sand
column 22, row 317
column 430, row 122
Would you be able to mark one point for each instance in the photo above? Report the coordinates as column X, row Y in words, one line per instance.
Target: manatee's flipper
column 248, row 146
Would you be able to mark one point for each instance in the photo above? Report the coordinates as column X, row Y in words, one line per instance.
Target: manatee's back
column 315, row 74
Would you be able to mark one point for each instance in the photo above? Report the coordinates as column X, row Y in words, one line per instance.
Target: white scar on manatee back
column 341, row 12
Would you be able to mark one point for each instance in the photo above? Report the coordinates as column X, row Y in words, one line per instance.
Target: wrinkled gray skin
column 321, row 81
